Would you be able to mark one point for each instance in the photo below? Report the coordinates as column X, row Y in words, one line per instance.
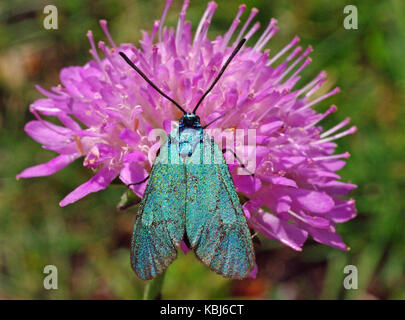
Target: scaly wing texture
column 215, row 224
column 160, row 223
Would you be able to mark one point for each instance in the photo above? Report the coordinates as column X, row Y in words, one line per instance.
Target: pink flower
column 107, row 111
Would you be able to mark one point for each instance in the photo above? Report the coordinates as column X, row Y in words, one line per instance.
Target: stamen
column 293, row 42
column 142, row 63
column 93, row 50
column 318, row 79
column 180, row 24
column 211, row 7
column 301, row 67
column 253, row 13
column 252, row 31
column 335, row 128
column 315, row 88
column 292, row 66
column 48, row 93
column 256, row 69
column 78, row 144
column 203, row 31
column 344, row 204
column 269, row 27
column 337, row 136
column 103, row 24
column 162, row 19
column 233, row 27
column 267, row 39
column 327, row 95
column 333, row 157
column 229, row 34
column 297, row 216
column 293, row 54
column 332, row 109
column 203, row 35
column 45, row 123
column 156, row 27
column 104, row 50
column 155, row 56
column 136, row 124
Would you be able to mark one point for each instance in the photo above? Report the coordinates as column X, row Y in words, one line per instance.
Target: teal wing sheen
column 215, row 223
column 160, row 223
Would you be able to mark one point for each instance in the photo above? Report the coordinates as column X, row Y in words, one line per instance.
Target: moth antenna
column 211, row 122
column 145, row 77
column 235, row 51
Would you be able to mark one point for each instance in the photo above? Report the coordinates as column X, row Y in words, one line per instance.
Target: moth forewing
column 215, row 223
column 160, row 223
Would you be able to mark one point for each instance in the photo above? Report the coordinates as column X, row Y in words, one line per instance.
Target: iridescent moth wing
column 193, row 196
column 215, row 223
column 160, row 222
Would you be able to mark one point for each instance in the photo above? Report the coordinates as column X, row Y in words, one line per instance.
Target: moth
column 190, row 196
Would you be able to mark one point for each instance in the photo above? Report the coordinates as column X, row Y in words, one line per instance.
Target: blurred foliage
column 89, row 241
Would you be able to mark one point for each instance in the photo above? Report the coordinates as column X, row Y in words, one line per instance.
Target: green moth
column 190, row 196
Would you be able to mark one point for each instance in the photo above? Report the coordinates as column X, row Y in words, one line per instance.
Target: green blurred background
column 89, row 240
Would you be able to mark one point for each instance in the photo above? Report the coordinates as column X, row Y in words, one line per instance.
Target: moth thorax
column 188, row 140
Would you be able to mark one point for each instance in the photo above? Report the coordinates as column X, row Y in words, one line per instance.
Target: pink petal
column 334, row 165
column 133, row 172
column 273, row 227
column 289, row 162
column 168, row 125
column 315, row 221
column 130, row 137
column 337, row 187
column 99, row 182
column 247, row 184
column 50, row 167
column 281, row 181
column 343, row 211
column 253, row 273
column 135, row 156
column 45, row 132
column 48, row 107
column 283, row 204
column 314, row 201
column 184, row 247
column 99, row 154
column 327, row 237
column 270, row 127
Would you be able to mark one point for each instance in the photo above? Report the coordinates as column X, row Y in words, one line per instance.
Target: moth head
column 190, row 120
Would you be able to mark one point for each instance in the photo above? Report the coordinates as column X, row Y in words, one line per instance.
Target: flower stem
column 153, row 289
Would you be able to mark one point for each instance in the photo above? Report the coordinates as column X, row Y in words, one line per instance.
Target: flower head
column 107, row 113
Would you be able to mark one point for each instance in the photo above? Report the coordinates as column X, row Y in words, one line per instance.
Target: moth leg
column 140, row 182
column 129, row 198
column 254, row 237
column 240, row 161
